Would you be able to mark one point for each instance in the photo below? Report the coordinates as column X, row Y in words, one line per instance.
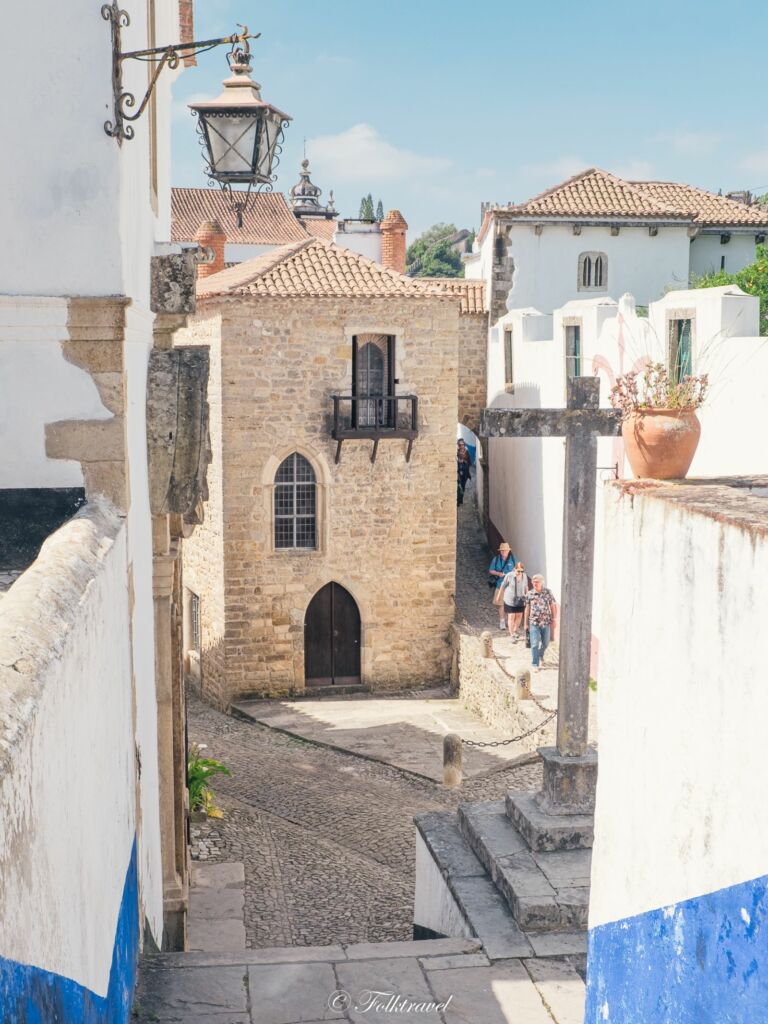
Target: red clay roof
column 313, row 268
column 319, row 227
column 596, row 193
column 704, row 207
column 471, row 294
column 267, row 221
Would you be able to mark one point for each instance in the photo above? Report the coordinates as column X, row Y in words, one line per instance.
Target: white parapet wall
column 680, row 864
column 69, row 913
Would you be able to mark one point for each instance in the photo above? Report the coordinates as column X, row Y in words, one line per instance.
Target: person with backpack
column 514, row 588
column 502, row 564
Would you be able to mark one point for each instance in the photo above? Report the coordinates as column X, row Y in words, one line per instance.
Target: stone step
column 481, row 906
column 546, row 892
column 549, row 832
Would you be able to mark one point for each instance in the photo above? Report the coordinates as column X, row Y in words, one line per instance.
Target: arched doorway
column 332, row 638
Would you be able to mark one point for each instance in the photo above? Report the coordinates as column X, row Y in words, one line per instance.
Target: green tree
column 379, row 211
column 431, row 255
column 752, row 279
column 366, row 208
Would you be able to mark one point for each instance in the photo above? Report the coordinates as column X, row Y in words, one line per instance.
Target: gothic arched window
column 592, row 274
column 295, row 504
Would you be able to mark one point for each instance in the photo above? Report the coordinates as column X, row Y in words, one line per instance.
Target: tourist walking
column 463, row 467
column 540, row 619
column 502, row 564
column 514, row 588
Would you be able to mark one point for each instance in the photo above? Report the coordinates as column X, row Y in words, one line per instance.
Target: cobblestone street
column 474, row 609
column 327, row 838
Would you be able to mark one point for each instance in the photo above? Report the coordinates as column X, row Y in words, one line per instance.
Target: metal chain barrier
column 550, row 712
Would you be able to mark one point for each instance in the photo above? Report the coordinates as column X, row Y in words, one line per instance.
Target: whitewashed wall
column 546, row 265
column 526, row 492
column 707, row 252
column 67, row 774
column 38, row 386
column 81, row 219
column 364, row 239
column 681, row 849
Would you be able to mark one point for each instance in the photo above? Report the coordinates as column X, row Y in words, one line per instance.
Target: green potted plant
column 660, row 427
column 199, row 771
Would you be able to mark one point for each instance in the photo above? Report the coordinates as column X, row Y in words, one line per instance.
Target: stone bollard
column 523, row 685
column 452, row 761
column 487, row 641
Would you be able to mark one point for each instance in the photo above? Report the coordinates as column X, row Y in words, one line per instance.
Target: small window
column 592, row 272
column 295, row 504
column 509, row 379
column 196, row 622
column 680, row 350
column 573, row 350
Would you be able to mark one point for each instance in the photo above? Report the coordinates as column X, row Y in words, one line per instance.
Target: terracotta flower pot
column 660, row 443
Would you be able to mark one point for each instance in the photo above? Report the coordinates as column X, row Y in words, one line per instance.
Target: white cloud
column 180, row 107
column 690, row 143
column 633, row 170
column 360, row 154
column 756, row 163
column 554, row 171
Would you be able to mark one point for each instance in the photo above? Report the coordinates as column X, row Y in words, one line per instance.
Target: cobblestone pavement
column 327, row 838
column 473, row 556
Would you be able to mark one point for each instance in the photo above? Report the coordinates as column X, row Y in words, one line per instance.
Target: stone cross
column 581, row 422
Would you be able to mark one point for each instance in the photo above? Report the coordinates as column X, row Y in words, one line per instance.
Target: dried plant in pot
column 660, row 427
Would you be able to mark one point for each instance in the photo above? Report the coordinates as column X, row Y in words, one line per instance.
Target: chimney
column 393, row 229
column 210, row 235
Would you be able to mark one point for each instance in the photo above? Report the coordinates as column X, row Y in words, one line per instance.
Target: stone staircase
column 523, row 889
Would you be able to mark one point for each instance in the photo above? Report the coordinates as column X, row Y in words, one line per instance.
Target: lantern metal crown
column 240, row 133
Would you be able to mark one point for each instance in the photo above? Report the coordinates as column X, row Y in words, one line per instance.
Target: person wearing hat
column 514, row 588
column 502, row 563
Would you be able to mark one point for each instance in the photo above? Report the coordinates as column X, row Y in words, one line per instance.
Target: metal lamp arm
column 170, row 56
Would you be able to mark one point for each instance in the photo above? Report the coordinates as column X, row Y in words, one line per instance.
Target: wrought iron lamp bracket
column 161, row 56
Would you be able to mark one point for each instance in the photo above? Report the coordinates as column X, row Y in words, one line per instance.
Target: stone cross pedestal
column 570, row 768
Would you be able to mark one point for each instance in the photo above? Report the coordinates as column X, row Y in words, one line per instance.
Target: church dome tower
column 305, row 196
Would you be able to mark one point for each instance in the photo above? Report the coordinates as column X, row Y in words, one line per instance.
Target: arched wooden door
column 332, row 638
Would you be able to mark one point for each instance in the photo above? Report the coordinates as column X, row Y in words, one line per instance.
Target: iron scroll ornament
column 170, row 56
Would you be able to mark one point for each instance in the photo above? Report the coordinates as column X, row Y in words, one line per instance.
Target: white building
column 535, row 353
column 92, row 770
column 596, row 234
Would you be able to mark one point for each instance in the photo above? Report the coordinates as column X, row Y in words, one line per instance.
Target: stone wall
column 485, row 689
column 473, row 387
column 386, row 530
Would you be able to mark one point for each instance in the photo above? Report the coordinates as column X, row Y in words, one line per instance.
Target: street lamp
column 241, row 133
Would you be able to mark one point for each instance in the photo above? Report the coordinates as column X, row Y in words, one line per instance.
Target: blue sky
column 436, row 105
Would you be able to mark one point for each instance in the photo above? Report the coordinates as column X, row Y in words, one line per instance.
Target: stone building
column 328, row 549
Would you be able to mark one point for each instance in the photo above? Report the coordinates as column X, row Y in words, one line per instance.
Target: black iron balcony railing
column 374, row 417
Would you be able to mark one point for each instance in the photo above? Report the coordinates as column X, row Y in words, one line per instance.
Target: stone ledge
column 40, row 611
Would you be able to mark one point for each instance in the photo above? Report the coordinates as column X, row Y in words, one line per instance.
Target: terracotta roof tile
column 704, row 207
column 596, row 193
column 267, row 221
column 313, row 268
column 319, row 227
column 470, row 293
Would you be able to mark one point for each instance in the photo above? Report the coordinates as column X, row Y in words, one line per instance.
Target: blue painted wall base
column 702, row 961
column 29, row 995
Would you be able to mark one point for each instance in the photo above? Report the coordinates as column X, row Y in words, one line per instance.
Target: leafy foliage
column 379, row 211
column 652, row 388
column 199, row 771
column 431, row 255
column 752, row 279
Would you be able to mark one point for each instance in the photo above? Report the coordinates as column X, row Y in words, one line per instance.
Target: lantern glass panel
column 267, row 144
column 232, row 141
